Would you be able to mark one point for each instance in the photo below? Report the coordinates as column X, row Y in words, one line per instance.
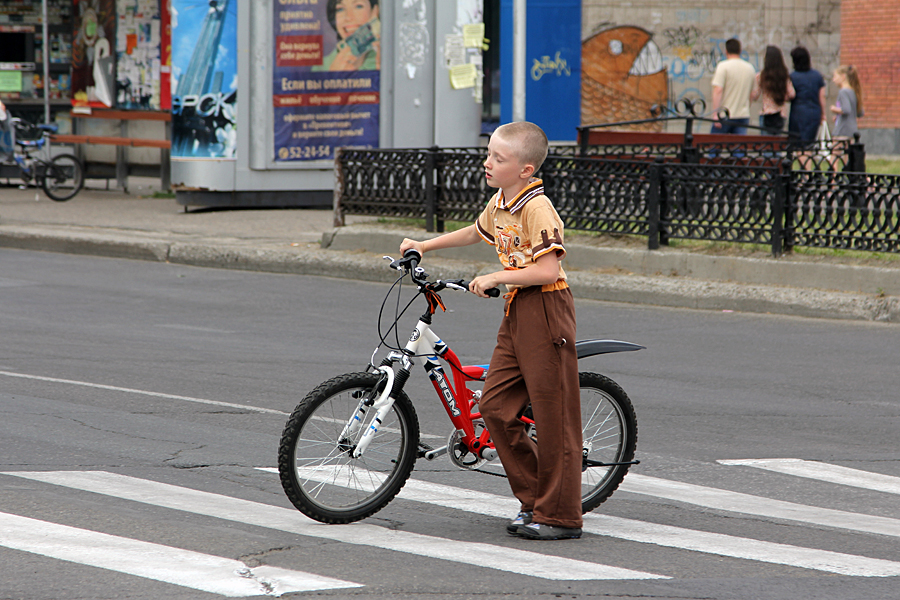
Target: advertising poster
column 138, row 41
column 165, row 56
column 326, row 77
column 204, row 78
column 93, row 53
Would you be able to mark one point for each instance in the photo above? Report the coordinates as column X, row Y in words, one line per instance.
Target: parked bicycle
column 350, row 445
column 61, row 177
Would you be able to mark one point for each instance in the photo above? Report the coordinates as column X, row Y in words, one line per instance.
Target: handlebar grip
column 492, row 292
column 413, row 258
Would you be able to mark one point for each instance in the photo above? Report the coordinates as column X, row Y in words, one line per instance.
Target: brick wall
column 870, row 41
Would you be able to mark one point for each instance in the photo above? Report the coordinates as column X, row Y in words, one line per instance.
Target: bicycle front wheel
column 63, row 177
column 609, row 430
column 318, row 472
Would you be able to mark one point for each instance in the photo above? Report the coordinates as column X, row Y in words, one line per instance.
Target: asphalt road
column 142, row 404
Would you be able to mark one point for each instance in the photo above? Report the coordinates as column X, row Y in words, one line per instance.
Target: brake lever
column 454, row 284
column 461, row 284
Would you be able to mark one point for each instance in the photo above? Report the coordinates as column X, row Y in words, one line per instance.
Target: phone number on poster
column 304, row 152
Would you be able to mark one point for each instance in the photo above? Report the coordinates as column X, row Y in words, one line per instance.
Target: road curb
column 73, row 242
column 352, row 255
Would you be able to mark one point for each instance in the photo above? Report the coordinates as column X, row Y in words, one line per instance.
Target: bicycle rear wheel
column 319, row 474
column 609, row 429
column 63, row 177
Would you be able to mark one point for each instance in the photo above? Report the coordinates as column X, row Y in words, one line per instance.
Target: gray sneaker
column 540, row 531
column 523, row 518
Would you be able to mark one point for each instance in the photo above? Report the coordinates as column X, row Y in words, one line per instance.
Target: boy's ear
column 527, row 171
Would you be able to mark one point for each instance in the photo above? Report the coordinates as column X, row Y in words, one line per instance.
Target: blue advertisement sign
column 204, row 78
column 326, row 77
column 552, row 66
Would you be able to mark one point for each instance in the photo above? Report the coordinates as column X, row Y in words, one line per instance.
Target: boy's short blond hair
column 529, row 142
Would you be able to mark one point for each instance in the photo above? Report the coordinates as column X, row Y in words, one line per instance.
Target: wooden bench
column 647, row 139
column 122, row 142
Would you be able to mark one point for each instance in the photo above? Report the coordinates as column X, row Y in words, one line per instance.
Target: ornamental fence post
column 690, row 154
column 583, row 133
column 786, row 221
column 778, row 213
column 856, row 163
column 430, row 200
column 654, row 194
column 856, row 160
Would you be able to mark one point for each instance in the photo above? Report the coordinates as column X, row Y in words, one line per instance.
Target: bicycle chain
column 489, row 473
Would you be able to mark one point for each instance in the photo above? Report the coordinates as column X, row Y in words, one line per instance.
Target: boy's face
column 502, row 167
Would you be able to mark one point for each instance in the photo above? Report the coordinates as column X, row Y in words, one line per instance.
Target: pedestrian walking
column 732, row 84
column 848, row 106
column 774, row 87
column 534, row 361
column 808, row 107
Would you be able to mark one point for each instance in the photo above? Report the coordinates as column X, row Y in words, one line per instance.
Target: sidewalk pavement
column 303, row 241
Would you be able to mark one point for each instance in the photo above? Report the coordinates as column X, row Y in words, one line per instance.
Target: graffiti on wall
column 622, row 76
column 691, row 57
column 626, row 69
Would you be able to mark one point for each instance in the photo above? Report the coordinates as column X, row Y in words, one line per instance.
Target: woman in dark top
column 808, row 106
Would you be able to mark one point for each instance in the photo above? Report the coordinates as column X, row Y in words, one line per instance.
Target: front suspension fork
column 382, row 406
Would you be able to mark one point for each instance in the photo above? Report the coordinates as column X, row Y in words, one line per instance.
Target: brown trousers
column 535, row 362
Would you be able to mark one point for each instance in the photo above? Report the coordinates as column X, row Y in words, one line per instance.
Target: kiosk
column 262, row 130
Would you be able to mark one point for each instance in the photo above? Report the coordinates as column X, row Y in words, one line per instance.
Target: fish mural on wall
column 622, row 76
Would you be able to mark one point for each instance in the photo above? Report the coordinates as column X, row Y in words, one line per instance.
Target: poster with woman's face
column 326, row 80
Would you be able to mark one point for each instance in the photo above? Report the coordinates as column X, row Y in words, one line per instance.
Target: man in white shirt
column 732, row 84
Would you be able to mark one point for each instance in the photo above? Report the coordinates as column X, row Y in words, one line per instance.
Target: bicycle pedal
column 423, row 449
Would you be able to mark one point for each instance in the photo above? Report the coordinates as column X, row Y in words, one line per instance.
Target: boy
column 534, row 360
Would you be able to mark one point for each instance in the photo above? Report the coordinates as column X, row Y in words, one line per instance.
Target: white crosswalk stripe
column 232, row 578
column 661, row 535
column 283, row 519
column 823, row 472
column 153, row 561
column 756, row 505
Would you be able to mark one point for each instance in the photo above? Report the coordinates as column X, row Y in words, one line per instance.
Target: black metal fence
column 772, row 193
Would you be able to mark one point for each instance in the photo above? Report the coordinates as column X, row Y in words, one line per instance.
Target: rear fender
column 587, row 348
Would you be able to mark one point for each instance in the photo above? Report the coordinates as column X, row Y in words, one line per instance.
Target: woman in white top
column 774, row 85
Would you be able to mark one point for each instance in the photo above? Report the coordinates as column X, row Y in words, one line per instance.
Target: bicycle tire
column 318, row 474
column 609, row 431
column 63, row 177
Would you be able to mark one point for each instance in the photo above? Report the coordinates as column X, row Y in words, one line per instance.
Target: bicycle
column 60, row 177
column 351, row 444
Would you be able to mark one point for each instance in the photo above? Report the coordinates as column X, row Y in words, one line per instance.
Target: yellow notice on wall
column 473, row 35
column 462, row 76
column 10, row 81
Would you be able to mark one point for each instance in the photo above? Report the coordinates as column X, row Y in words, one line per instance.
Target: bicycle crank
column 460, row 454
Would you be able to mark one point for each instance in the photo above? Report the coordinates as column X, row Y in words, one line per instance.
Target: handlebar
column 410, row 264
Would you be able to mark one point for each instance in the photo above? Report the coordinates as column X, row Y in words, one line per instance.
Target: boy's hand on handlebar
column 408, row 244
column 481, row 284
